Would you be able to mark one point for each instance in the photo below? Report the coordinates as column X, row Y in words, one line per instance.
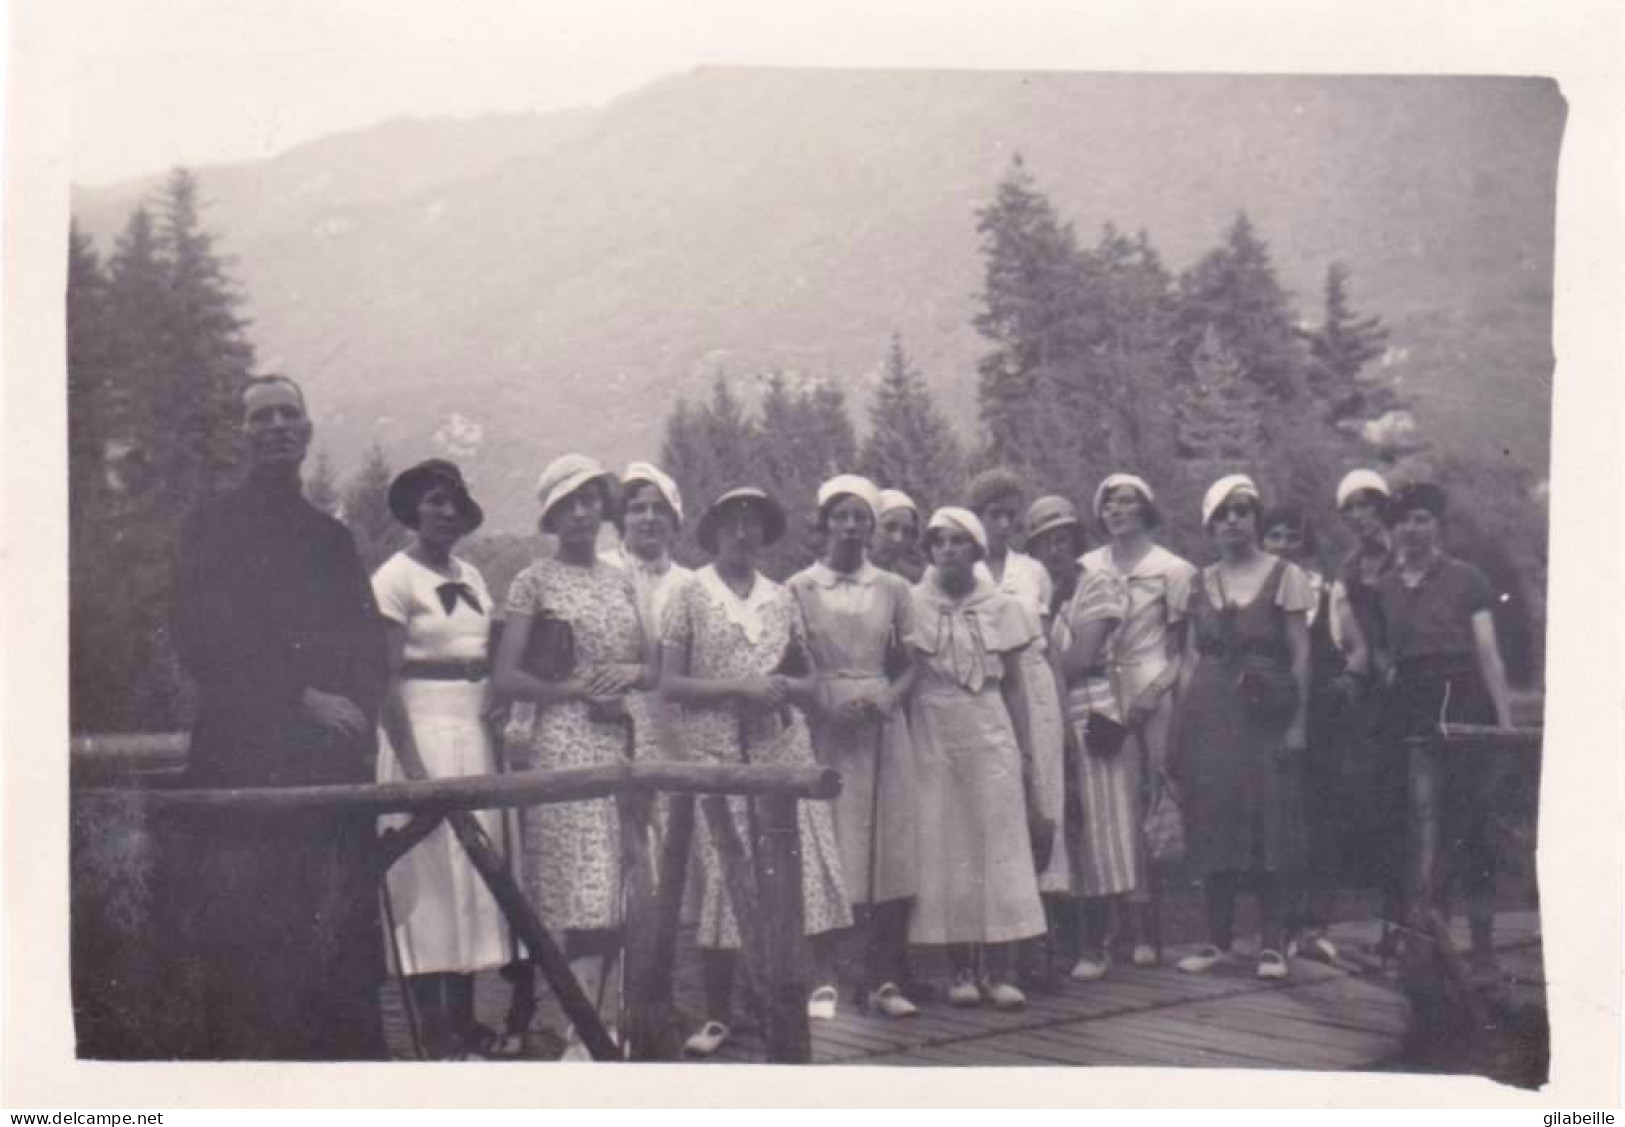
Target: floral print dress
column 571, row 850
column 725, row 637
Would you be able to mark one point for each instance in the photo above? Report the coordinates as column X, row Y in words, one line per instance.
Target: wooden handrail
column 485, row 792
column 1487, row 737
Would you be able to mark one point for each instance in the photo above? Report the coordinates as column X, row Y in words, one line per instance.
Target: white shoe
column 1089, row 968
column 1202, row 960
column 964, row 991
column 889, row 1000
column 1320, row 946
column 821, row 1004
column 1271, row 965
column 1144, row 955
column 1007, row 997
column 708, row 1040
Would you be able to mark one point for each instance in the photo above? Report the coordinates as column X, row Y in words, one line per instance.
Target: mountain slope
column 505, row 288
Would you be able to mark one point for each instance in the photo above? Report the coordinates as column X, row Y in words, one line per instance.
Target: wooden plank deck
column 1322, row 1018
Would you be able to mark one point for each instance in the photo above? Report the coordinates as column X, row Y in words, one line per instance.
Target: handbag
column 1164, row 824
column 1103, row 737
column 550, row 650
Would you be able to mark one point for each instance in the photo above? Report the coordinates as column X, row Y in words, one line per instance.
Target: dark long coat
column 276, row 918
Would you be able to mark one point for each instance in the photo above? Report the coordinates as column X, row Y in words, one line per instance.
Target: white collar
column 826, row 576
column 745, row 613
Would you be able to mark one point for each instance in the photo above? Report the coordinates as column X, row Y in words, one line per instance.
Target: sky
column 204, row 81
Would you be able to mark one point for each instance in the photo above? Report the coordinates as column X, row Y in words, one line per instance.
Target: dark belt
column 473, row 669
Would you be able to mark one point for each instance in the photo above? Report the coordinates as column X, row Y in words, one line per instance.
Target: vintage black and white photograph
column 621, row 540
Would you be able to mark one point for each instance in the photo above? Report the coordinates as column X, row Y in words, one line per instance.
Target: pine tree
column 709, row 447
column 1341, row 348
column 139, row 324
column 1234, row 290
column 910, row 445
column 91, row 574
column 1032, row 312
column 1132, row 363
column 210, row 357
column 321, row 489
column 1220, row 413
column 378, row 535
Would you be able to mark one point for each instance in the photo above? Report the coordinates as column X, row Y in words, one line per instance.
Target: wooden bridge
column 1322, row 1019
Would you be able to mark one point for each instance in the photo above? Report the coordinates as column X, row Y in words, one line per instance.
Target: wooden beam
column 1487, row 737
column 477, row 792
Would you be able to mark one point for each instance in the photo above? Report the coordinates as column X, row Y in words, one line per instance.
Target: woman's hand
column 1146, row 704
column 1296, row 739
column 853, row 711
column 610, row 680
column 765, row 692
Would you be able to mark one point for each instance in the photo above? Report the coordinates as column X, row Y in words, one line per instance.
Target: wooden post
column 493, row 869
column 737, row 874
column 778, row 876
column 639, row 894
column 1432, row 966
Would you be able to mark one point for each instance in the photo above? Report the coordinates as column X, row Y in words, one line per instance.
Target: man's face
column 275, row 425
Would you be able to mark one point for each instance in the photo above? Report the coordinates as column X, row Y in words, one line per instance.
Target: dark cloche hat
column 772, row 515
column 411, row 484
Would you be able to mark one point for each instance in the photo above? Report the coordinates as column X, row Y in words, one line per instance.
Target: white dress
column 445, row 918
column 1026, row 582
column 975, row 862
column 852, row 618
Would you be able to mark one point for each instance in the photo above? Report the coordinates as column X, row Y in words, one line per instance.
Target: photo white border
column 1577, row 42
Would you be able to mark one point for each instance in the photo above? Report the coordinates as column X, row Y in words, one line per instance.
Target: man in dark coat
column 273, row 615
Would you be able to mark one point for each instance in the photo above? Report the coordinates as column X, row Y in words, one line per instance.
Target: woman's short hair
column 1294, row 518
column 992, row 485
column 608, row 497
column 821, row 521
column 928, row 541
column 1376, row 498
column 628, row 490
column 1150, row 515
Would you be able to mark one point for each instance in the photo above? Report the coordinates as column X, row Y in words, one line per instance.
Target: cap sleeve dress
column 976, row 878
column 445, row 919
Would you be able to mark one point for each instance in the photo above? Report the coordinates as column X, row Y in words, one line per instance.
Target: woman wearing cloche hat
column 734, row 655
column 574, row 713
column 445, row 924
column 856, row 615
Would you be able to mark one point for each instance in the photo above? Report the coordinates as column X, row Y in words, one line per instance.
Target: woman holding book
column 571, row 651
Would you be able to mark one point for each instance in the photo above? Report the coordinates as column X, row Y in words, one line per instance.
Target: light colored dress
column 445, row 918
column 653, row 719
column 1027, row 582
column 727, row 637
column 1111, row 853
column 851, row 620
column 1244, row 799
column 976, row 879
column 572, row 850
column 1158, row 589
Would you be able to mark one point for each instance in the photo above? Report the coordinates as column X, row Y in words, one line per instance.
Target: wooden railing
column 764, row 882
column 1431, row 957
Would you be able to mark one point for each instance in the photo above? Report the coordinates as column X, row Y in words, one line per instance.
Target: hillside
column 508, row 287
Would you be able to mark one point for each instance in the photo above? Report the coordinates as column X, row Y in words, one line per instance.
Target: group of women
column 1011, row 728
